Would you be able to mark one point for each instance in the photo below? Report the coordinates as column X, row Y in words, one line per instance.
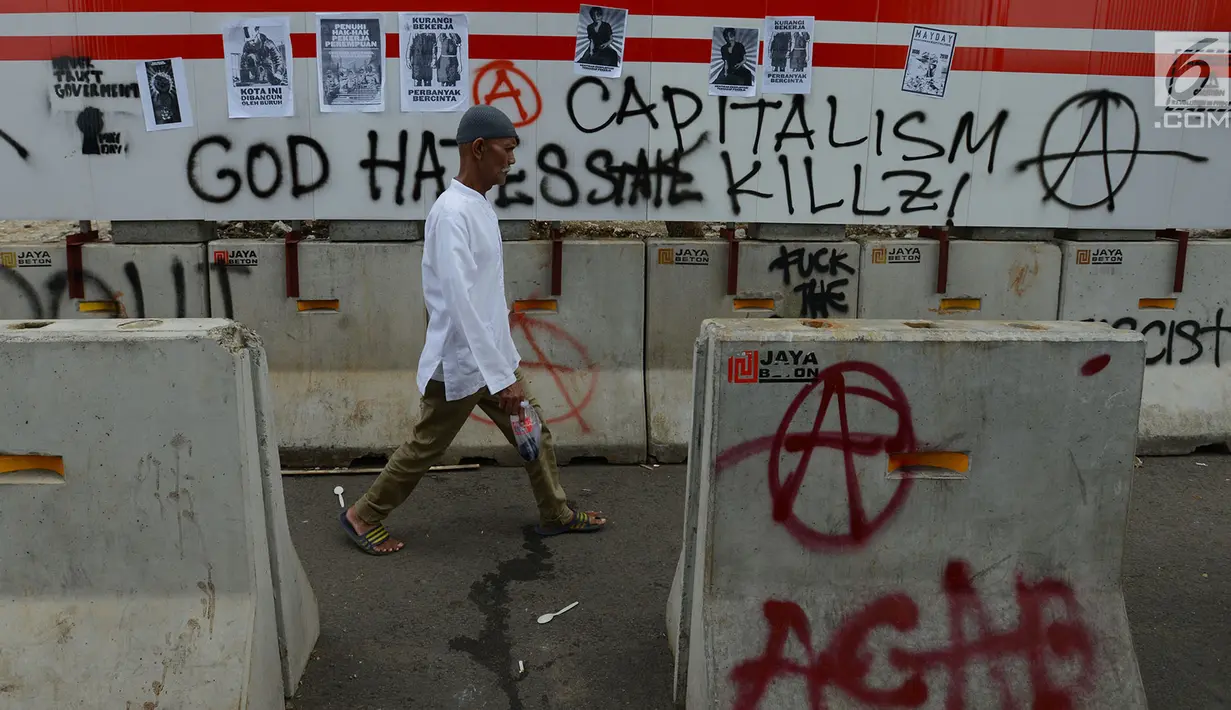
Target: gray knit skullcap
column 486, row 122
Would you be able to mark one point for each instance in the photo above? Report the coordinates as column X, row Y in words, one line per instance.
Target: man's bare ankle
column 355, row 521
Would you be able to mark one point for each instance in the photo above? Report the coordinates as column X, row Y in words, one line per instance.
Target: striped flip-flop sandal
column 369, row 540
column 581, row 522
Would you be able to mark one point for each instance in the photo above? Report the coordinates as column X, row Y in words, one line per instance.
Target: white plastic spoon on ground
column 548, row 617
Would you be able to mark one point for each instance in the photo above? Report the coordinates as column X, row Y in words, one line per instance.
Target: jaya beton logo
column 25, row 258
column 235, row 257
column 1095, row 257
column 896, row 255
column 693, row 256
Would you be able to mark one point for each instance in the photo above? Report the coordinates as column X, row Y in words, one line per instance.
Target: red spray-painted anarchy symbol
column 504, row 87
column 588, row 371
column 832, row 380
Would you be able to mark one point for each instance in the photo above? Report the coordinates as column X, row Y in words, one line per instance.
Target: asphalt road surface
column 443, row 623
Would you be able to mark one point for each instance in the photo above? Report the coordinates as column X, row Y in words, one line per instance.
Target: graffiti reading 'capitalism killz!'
column 820, row 165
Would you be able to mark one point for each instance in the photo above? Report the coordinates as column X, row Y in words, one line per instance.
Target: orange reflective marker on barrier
column 530, row 305
column 929, row 464
column 307, row 306
column 753, row 304
column 31, row 468
column 1156, row 303
column 953, row 305
column 98, row 307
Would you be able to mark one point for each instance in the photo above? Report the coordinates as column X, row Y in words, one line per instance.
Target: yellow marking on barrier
column 929, row 464
column 14, row 463
column 1162, row 303
column 306, row 305
column 98, row 307
column 534, row 304
column 950, row 305
column 754, row 304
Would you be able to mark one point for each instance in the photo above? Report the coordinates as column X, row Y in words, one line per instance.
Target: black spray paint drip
column 492, row 648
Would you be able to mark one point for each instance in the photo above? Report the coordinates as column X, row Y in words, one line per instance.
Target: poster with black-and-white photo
column 435, row 50
column 600, row 41
column 733, row 61
column 350, row 62
column 928, row 61
column 788, row 52
column 164, row 94
column 260, row 70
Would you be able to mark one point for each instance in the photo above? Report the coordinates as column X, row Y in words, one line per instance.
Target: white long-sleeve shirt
column 468, row 336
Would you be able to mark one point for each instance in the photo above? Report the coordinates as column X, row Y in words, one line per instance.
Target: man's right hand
column 511, row 397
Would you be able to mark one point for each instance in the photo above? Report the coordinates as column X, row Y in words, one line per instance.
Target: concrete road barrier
column 147, row 558
column 908, row 514
column 114, row 281
column 689, row 281
column 981, row 280
column 582, row 350
column 1133, row 285
column 343, row 331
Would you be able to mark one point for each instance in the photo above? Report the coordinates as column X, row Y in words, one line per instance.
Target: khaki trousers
column 439, row 422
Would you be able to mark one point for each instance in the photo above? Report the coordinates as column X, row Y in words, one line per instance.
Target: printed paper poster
column 600, row 41
column 435, row 50
column 260, row 71
column 350, row 62
column 733, row 61
column 927, row 63
column 164, row 95
column 789, row 48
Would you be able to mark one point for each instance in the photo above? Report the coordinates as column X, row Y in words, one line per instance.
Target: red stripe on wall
column 1155, row 15
column 688, row 51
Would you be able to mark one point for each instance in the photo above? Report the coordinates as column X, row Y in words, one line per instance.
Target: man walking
column 469, row 358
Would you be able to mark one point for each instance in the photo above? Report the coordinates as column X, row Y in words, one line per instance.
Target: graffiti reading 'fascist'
column 1184, row 341
column 818, row 300
column 847, row 661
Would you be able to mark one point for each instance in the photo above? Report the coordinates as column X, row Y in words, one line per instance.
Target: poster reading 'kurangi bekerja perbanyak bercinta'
column 788, row 55
column 350, row 62
column 260, row 73
column 434, row 61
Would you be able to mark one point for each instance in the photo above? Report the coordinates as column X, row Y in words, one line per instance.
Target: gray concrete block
column 375, row 230
column 797, row 232
column 515, row 230
column 161, row 231
column 1003, row 234
column 1105, row 235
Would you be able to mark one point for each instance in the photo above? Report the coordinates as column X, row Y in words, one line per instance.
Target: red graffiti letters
column 834, row 390
column 847, row 661
column 561, row 375
column 833, row 383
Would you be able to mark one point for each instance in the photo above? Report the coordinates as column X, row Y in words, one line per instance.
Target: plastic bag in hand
column 526, row 430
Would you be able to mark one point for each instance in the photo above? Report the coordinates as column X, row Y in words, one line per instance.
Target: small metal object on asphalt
column 521, row 669
column 548, row 617
column 1202, row 464
column 337, row 491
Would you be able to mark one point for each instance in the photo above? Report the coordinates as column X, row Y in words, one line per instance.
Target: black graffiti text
column 820, row 298
column 259, row 157
column 1178, row 342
